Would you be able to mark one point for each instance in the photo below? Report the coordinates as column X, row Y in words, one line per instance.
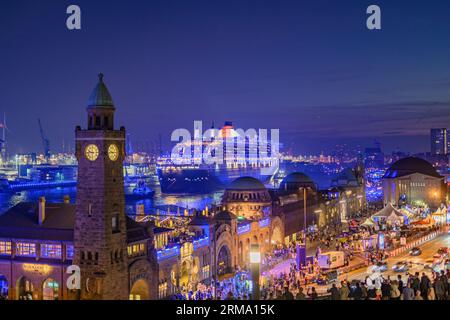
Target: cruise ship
column 194, row 178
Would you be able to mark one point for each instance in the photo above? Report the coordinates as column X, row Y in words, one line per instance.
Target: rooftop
column 100, row 96
column 411, row 165
column 22, row 222
column 246, row 183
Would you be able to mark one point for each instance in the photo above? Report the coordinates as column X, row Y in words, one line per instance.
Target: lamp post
column 215, row 261
column 301, row 250
column 255, row 263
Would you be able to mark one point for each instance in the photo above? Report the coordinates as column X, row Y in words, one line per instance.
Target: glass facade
column 69, row 252
column 51, row 251
column 5, row 248
column 136, row 249
column 26, row 249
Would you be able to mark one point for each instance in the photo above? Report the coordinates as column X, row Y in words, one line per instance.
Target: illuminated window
column 136, row 249
column 69, row 252
column 52, row 251
column 115, row 223
column 162, row 290
column 135, row 297
column 5, row 248
column 205, row 272
column 26, row 249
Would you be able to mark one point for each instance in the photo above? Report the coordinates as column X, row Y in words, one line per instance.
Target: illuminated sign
column 264, row 223
column 243, row 229
column 381, row 241
column 40, row 268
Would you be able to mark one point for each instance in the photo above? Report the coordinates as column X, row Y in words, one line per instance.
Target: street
column 429, row 249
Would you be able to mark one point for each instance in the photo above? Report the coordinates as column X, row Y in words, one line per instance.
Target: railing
column 264, row 222
column 202, row 242
column 31, row 185
column 415, row 242
column 243, row 229
column 168, row 253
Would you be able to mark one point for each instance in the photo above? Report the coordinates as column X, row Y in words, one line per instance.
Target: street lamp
column 255, row 263
column 301, row 250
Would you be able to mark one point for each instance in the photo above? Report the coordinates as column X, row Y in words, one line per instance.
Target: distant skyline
column 309, row 68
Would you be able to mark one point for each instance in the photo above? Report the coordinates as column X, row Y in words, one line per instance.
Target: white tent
column 368, row 223
column 388, row 212
column 394, row 219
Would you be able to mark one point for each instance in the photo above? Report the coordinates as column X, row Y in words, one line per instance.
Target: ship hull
column 202, row 181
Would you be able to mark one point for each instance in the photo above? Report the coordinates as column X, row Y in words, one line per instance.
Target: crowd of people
column 237, row 287
column 309, row 281
column 414, row 287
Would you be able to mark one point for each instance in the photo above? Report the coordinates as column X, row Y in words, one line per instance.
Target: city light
column 249, row 152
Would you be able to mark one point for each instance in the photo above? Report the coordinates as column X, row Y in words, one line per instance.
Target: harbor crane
column 45, row 141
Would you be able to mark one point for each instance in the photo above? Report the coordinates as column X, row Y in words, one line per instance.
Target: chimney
column 41, row 210
column 67, row 199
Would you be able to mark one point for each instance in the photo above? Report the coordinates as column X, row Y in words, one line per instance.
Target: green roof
column 100, row 96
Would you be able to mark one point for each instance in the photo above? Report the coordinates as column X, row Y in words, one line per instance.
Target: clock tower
column 100, row 226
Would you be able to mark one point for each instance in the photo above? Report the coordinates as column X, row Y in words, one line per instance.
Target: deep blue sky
column 309, row 68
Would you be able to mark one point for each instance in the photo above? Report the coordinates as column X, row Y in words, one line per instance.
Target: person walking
column 363, row 291
column 431, row 295
column 300, row 295
column 344, row 291
column 287, row 295
column 447, row 278
column 444, row 280
column 416, row 282
column 425, row 284
column 439, row 289
column 357, row 293
column 335, row 295
column 400, row 284
column 395, row 292
column 418, row 295
column 408, row 292
column 313, row 294
column 385, row 290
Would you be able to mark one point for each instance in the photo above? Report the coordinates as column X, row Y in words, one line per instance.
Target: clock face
column 91, row 152
column 113, row 152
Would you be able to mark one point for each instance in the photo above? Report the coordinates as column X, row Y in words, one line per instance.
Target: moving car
column 433, row 264
column 443, row 251
column 380, row 266
column 401, row 266
column 415, row 252
column 438, row 258
column 331, row 260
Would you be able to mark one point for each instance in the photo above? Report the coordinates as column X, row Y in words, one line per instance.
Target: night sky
column 310, row 68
